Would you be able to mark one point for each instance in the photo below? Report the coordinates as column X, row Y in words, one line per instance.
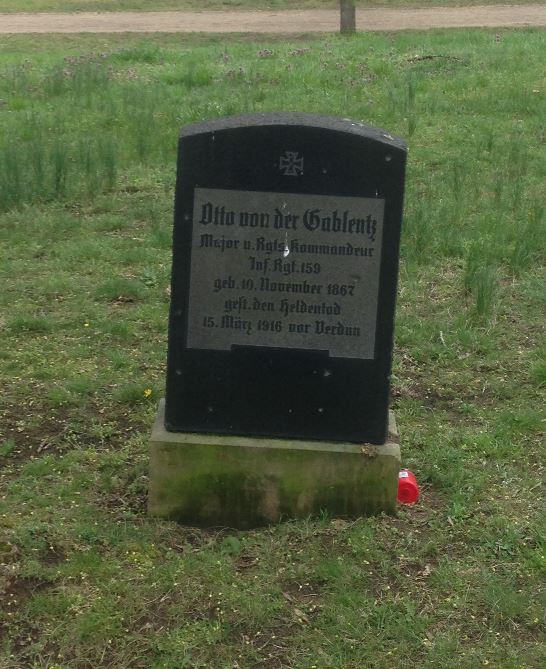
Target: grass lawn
column 157, row 5
column 87, row 167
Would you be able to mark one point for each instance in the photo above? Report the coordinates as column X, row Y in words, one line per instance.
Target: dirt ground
column 293, row 21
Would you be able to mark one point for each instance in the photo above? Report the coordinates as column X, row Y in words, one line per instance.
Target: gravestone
column 285, row 262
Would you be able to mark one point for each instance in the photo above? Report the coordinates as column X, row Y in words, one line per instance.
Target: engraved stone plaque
column 285, row 270
column 285, row 263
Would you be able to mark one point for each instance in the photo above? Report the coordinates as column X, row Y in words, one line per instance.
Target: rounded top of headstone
column 296, row 119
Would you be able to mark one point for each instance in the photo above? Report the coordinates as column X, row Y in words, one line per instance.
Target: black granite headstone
column 285, row 263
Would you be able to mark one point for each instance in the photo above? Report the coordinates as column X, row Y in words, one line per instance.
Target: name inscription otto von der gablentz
column 285, row 270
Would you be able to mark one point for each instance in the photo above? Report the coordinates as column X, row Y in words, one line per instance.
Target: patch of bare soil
column 14, row 593
column 58, row 430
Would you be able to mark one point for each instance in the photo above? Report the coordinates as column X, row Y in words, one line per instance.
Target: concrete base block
column 243, row 482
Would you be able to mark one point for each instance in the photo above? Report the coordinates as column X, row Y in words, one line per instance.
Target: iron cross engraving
column 291, row 164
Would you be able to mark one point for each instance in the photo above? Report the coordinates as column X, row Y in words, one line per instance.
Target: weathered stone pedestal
column 242, row 482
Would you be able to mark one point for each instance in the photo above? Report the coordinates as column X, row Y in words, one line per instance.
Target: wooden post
column 347, row 15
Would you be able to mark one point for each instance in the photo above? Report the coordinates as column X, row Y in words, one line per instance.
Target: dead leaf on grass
column 300, row 615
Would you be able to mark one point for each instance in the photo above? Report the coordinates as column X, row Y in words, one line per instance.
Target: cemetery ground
column 87, row 166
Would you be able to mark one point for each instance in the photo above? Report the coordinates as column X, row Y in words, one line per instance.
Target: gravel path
column 293, row 21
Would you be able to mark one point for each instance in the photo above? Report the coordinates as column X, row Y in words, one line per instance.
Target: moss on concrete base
column 242, row 482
